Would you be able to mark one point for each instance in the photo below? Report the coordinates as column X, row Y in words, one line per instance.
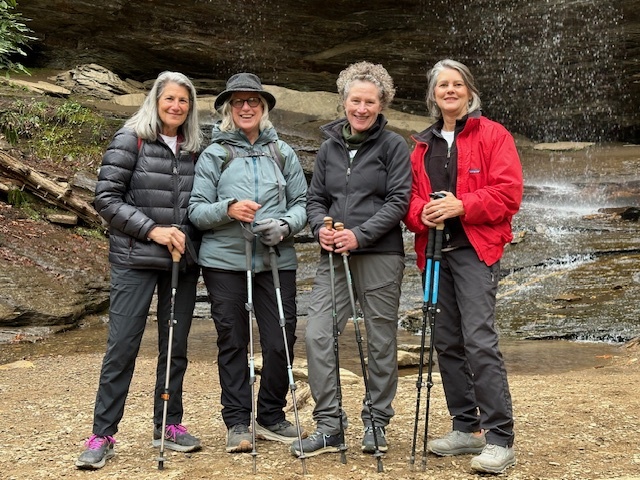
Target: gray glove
column 271, row 231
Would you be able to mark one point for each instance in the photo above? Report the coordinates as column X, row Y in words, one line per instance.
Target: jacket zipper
column 351, row 155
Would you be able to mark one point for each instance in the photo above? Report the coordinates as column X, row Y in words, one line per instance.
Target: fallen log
column 48, row 190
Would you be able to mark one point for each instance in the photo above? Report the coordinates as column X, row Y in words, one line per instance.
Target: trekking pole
column 175, row 271
column 249, row 236
column 425, row 315
column 292, row 383
column 432, row 307
column 328, row 224
column 356, row 323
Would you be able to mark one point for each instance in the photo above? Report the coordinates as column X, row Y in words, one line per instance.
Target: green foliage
column 14, row 36
column 25, row 201
column 22, row 120
column 17, row 197
column 67, row 131
column 95, row 233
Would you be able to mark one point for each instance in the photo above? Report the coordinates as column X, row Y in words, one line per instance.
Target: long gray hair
column 228, row 125
column 146, row 121
column 432, row 76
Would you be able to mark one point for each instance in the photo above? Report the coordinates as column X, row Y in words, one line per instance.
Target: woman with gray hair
column 249, row 188
column 467, row 176
column 362, row 179
column 142, row 194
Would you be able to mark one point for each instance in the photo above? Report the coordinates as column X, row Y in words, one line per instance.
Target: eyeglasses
column 251, row 101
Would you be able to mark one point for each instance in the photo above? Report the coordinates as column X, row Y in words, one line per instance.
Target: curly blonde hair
column 367, row 72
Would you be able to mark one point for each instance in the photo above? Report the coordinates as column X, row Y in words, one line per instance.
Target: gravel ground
column 575, row 425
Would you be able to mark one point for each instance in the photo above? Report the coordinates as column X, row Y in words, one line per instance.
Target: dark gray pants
column 130, row 298
column 472, row 368
column 377, row 280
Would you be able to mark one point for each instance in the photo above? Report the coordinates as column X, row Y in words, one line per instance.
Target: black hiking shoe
column 369, row 443
column 284, row 432
column 317, row 443
column 239, row 439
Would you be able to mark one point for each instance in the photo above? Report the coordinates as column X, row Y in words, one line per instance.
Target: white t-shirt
column 172, row 142
column 448, row 136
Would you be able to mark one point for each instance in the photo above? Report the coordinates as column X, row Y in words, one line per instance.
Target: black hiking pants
column 228, row 294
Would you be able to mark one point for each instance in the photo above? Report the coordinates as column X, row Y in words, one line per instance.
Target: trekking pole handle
column 175, row 267
column 339, row 226
column 437, row 251
column 175, row 255
column 328, row 223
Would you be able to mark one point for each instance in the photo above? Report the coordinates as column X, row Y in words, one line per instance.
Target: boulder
column 553, row 71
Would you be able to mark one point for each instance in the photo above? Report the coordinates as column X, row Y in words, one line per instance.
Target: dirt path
column 576, row 425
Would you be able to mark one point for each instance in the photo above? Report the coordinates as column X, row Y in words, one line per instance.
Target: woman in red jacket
column 472, row 162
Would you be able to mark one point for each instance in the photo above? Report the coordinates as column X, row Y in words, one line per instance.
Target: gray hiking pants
column 377, row 280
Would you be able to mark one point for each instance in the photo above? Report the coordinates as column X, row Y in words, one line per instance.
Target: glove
column 271, row 231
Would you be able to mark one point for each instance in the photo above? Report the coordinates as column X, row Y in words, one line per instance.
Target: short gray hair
column 146, row 121
column 367, row 72
column 432, row 77
column 227, row 124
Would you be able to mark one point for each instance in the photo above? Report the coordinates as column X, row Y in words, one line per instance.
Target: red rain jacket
column 489, row 184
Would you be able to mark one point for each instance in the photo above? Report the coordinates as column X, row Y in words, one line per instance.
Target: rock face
column 552, row 70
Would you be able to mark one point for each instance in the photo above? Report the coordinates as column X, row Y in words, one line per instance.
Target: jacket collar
column 463, row 123
column 334, row 129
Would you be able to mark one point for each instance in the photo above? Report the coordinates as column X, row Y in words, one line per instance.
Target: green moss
column 63, row 132
column 17, row 197
column 96, row 233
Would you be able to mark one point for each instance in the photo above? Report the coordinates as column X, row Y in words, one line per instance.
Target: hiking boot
column 176, row 438
column 239, row 439
column 368, row 442
column 98, row 451
column 317, row 443
column 457, row 443
column 494, row 459
column 284, row 432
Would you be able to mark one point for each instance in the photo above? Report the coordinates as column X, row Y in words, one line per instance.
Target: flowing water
column 573, row 275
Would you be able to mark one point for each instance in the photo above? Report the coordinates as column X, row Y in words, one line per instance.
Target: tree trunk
column 52, row 192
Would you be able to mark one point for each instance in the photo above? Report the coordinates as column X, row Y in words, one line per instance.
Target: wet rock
column 563, row 146
column 632, row 214
column 94, row 80
column 549, row 70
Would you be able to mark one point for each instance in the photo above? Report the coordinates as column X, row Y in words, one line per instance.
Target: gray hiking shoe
column 317, row 443
column 369, row 443
column 176, row 438
column 284, row 432
column 239, row 439
column 494, row 459
column 98, row 451
column 457, row 443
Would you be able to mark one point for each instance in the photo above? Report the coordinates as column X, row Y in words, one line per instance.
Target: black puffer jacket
column 137, row 191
